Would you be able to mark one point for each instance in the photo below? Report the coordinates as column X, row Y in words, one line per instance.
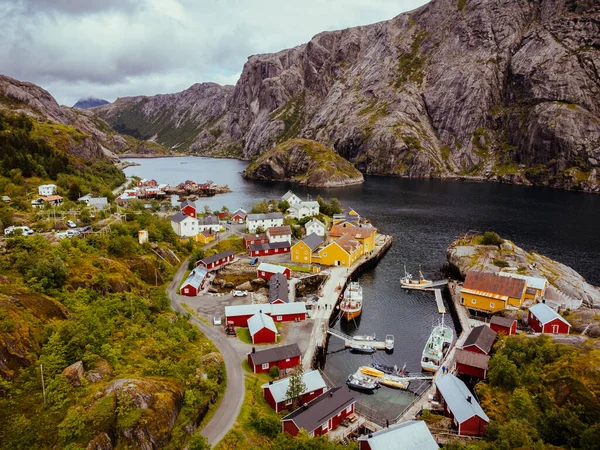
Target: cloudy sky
column 114, row 48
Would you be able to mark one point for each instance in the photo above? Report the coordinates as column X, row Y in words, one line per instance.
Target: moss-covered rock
column 306, row 162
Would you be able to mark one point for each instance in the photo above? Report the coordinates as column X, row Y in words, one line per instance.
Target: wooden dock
column 349, row 341
column 438, row 300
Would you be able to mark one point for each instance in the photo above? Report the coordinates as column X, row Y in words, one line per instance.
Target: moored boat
column 408, row 282
column 361, row 382
column 359, row 347
column 394, row 381
column 438, row 345
column 389, row 342
column 361, row 337
column 371, row 371
column 351, row 304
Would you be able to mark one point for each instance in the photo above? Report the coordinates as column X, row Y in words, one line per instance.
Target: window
column 324, row 254
column 491, row 304
column 462, row 301
column 265, row 366
column 276, row 250
column 473, row 301
column 279, row 318
column 324, row 426
column 305, row 252
column 288, row 402
column 298, row 251
column 287, row 360
column 311, row 393
column 186, row 290
column 306, row 258
column 349, row 409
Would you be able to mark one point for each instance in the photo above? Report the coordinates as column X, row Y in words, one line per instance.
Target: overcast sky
column 115, row 48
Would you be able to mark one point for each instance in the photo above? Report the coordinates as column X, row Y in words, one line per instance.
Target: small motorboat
column 361, row 383
column 372, row 372
column 394, row 381
column 389, row 342
column 364, row 338
column 407, row 281
column 362, row 347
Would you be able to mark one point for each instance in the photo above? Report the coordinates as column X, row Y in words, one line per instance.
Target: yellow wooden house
column 341, row 252
column 364, row 235
column 491, row 292
column 302, row 252
column 349, row 216
column 536, row 286
column 205, row 237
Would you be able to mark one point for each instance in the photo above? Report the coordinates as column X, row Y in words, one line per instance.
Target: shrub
column 274, row 372
column 491, row 238
column 500, row 263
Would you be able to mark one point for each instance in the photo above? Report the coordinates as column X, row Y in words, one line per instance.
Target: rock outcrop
column 306, row 162
column 566, row 286
column 74, row 373
column 505, row 90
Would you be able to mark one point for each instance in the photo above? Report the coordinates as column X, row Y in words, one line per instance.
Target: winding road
column 231, row 404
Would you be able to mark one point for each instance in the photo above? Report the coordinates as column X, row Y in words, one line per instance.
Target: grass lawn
column 295, row 268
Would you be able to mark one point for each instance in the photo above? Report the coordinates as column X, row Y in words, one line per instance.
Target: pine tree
column 296, row 387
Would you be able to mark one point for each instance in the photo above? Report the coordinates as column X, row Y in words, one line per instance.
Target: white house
column 304, row 209
column 94, row 202
column 291, row 198
column 45, row 190
column 264, row 221
column 184, row 226
column 315, row 226
column 209, row 222
column 279, row 234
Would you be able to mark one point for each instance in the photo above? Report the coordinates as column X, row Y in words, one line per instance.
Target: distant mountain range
column 90, row 102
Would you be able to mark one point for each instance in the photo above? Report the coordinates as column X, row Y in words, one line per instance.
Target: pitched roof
column 268, row 246
column 502, row 321
column 196, row 277
column 532, row 282
column 51, row 198
column 187, row 202
column 459, row 399
column 209, row 219
column 240, row 212
column 277, row 353
column 284, row 230
column 272, row 268
column 472, row 359
column 278, row 288
column 180, row 217
column 259, row 321
column 255, row 237
column 492, row 285
column 355, row 232
column 287, row 195
column 312, row 380
column 313, row 240
column 411, row 435
column 269, row 216
column 482, row 337
column 318, row 411
column 348, row 243
column 546, row 314
column 278, row 309
column 218, row 256
column 314, row 221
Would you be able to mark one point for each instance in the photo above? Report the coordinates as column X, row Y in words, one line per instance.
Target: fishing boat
column 407, row 281
column 361, row 382
column 351, row 304
column 438, row 344
column 361, row 347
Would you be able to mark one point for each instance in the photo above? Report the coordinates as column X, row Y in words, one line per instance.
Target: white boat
column 362, row 347
column 438, row 345
column 389, row 342
column 361, row 382
column 351, row 304
column 364, row 337
column 407, row 281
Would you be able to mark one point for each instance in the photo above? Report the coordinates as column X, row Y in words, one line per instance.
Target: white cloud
column 112, row 48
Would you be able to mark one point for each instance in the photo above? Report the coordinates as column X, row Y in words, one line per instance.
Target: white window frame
column 279, row 318
column 491, row 304
column 473, row 301
column 349, row 409
column 288, row 402
column 265, row 365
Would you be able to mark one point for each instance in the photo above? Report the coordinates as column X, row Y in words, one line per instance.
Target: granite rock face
column 504, row 90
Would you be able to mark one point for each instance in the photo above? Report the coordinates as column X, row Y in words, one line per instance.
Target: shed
column 501, row 324
column 471, row 363
column 282, row 356
column 262, row 329
column 275, row 392
column 266, row 271
column 274, row 248
column 194, row 283
column 480, row 340
column 460, row 405
column 543, row 319
column 414, row 435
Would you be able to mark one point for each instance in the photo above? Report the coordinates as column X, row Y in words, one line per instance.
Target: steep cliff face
column 490, row 89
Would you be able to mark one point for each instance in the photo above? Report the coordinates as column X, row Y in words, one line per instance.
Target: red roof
column 494, row 284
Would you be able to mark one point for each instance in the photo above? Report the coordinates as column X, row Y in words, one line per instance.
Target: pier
column 432, row 288
column 438, row 300
column 388, row 344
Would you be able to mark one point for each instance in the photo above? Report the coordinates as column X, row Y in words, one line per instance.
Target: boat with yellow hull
column 351, row 305
column 384, row 378
column 407, row 281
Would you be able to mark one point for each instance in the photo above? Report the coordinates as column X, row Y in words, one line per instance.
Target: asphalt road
column 230, row 406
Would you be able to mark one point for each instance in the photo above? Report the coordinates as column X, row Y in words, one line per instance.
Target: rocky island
column 306, row 162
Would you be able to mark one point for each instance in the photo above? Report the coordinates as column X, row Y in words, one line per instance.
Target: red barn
column 480, row 340
column 471, row 363
column 216, row 261
column 194, row 283
column 504, row 325
column 223, row 215
column 322, row 414
column 543, row 319
column 274, row 248
column 282, row 356
column 275, row 392
column 460, row 405
column 279, row 312
column 266, row 271
column 262, row 329
column 188, row 208
column 239, row 216
column 251, row 239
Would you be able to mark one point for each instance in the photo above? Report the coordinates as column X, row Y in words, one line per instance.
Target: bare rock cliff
column 505, row 90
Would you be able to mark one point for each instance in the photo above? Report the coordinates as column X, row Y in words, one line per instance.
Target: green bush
column 500, row 263
column 274, row 372
column 491, row 238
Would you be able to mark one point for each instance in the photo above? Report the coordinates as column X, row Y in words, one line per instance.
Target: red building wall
column 475, row 426
column 291, row 428
column 253, row 240
column 508, row 331
column 473, row 371
column 288, row 317
column 276, row 251
column 548, row 328
column 281, row 406
column 192, row 291
column 283, row 364
column 189, row 211
column 215, row 264
column 474, row 349
column 264, row 336
column 238, row 218
column 240, row 321
column 267, row 275
column 364, row 445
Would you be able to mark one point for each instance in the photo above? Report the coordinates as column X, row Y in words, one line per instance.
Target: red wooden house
column 194, row 283
column 274, row 248
column 459, row 404
column 239, row 216
column 266, row 271
column 279, row 312
column 188, row 208
column 223, row 215
column 282, row 356
column 278, row 289
column 506, row 325
column 471, row 363
column 262, row 329
column 289, row 312
column 480, row 340
column 251, row 239
column 411, row 435
column 216, row 261
column 543, row 319
column 275, row 392
column 322, row 414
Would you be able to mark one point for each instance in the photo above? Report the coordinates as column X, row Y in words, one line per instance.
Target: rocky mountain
column 89, row 102
column 80, row 133
column 305, row 162
column 506, row 90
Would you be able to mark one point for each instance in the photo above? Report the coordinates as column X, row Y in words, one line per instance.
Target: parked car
column 217, row 321
column 25, row 231
column 253, row 261
column 240, row 293
column 71, row 224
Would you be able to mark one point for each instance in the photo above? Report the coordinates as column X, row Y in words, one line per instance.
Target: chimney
column 469, row 398
column 270, row 382
column 253, row 349
column 304, row 407
column 370, row 435
column 330, row 394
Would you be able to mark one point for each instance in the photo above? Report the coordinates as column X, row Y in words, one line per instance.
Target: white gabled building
column 279, row 234
column 184, row 226
column 264, row 221
column 209, row 222
column 304, row 209
column 291, row 198
column 45, row 190
column 315, row 226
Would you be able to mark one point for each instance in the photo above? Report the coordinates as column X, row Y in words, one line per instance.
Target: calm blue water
column 424, row 217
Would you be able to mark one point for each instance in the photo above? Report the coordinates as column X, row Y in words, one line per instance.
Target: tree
column 491, row 238
column 225, row 209
column 274, row 372
column 296, row 387
column 198, row 442
column 260, row 207
column 283, row 206
column 335, row 206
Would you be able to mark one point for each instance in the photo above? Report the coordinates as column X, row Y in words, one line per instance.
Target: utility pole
column 43, row 385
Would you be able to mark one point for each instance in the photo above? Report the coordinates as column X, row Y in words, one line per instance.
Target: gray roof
column 259, row 321
column 288, row 195
column 312, row 380
column 275, row 215
column 277, row 353
column 187, row 202
column 268, row 246
column 502, row 321
column 218, row 256
column 318, row 411
column 179, row 217
column 455, row 394
column 279, row 309
column 482, row 337
column 97, row 201
column 196, row 277
column 472, row 359
column 209, row 219
column 313, row 240
column 278, row 288
column 411, row 435
column 314, row 220
column 546, row 314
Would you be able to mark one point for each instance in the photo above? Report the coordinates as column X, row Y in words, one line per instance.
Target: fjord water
column 424, row 217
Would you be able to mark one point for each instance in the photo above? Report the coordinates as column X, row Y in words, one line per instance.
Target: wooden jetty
column 438, row 300
column 388, row 344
